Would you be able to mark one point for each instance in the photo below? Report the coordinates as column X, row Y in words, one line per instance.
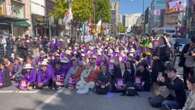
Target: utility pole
column 144, row 15
column 94, row 10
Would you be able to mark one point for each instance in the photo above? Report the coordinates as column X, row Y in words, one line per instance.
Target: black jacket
column 177, row 86
column 129, row 77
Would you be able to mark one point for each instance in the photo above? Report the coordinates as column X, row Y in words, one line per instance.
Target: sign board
column 171, row 19
column 175, row 6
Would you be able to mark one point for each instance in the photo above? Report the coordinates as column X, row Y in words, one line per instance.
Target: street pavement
column 46, row 99
column 91, row 101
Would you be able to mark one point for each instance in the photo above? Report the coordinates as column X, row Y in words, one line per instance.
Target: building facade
column 156, row 13
column 175, row 15
column 15, row 18
column 191, row 17
column 115, row 16
column 129, row 20
column 39, row 19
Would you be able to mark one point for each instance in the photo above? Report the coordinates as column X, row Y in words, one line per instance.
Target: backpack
column 131, row 91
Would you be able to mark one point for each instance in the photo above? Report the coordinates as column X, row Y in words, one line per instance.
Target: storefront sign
column 171, row 19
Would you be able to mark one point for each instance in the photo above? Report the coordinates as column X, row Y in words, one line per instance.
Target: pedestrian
column 187, row 60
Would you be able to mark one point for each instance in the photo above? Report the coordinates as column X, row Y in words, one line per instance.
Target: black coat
column 182, row 57
column 103, row 78
column 129, row 77
column 117, row 74
column 145, row 77
column 177, row 86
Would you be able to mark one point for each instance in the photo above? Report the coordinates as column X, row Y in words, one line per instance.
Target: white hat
column 68, row 52
column 61, row 39
column 46, row 60
column 64, row 60
column 112, row 60
column 28, row 66
column 99, row 53
column 132, row 50
column 44, row 63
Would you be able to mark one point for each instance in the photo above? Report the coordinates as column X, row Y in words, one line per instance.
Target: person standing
column 187, row 59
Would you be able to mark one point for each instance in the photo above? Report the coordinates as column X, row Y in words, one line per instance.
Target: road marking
column 18, row 92
column 6, row 91
column 47, row 101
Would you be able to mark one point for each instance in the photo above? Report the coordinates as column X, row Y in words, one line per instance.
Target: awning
column 23, row 24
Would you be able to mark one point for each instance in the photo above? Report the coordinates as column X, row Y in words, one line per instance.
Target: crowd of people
column 124, row 65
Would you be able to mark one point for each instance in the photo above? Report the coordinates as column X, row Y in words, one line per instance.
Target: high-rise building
column 156, row 13
column 175, row 15
column 129, row 20
column 115, row 16
column 191, row 17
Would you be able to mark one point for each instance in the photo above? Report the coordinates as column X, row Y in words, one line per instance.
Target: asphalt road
column 11, row 99
column 91, row 101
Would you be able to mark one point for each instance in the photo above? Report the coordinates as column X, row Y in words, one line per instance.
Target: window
column 17, row 9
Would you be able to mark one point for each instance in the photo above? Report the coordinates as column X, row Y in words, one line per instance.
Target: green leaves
column 60, row 7
column 82, row 10
column 103, row 10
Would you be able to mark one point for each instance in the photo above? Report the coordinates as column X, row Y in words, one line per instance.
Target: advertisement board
column 175, row 6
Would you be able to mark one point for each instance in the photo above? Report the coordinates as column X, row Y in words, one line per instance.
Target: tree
column 82, row 10
column 60, row 7
column 103, row 10
column 122, row 28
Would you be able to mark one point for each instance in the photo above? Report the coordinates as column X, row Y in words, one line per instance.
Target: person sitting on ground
column 28, row 78
column 142, row 78
column 128, row 77
column 116, row 78
column 45, row 76
column 190, row 102
column 159, row 91
column 69, row 81
column 176, row 85
column 102, row 85
column 95, row 71
column 4, row 77
column 9, row 67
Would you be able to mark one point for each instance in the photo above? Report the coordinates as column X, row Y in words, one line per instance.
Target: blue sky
column 133, row 6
